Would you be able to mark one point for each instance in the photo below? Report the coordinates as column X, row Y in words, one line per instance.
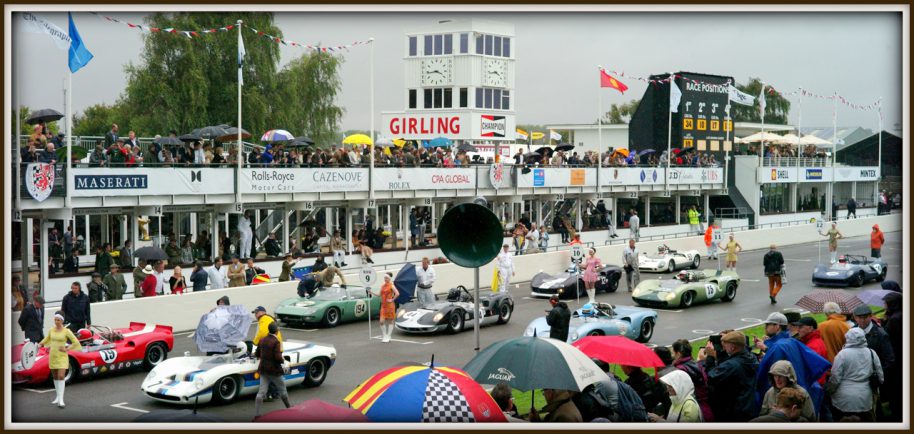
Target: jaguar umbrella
column 150, row 253
column 44, row 115
column 424, row 394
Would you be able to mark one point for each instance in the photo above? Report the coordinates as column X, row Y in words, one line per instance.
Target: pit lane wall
column 183, row 312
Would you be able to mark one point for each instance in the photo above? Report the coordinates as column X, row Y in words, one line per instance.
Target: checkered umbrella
column 814, row 301
column 419, row 393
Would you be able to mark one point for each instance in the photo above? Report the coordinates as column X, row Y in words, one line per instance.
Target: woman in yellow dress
column 59, row 362
column 732, row 248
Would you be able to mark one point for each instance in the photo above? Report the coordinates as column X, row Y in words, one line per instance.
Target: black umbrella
column 190, row 138
column 543, row 150
column 302, row 140
column 211, row 132
column 466, row 147
column 150, row 253
column 169, row 141
column 533, row 156
column 564, row 147
column 184, row 415
column 44, row 115
column 231, row 133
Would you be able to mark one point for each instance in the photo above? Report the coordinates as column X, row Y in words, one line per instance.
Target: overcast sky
column 859, row 55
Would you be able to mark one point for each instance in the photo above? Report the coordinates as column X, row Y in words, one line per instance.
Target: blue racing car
column 850, row 270
column 603, row 319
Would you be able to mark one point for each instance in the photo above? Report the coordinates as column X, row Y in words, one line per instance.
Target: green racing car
column 687, row 288
column 329, row 306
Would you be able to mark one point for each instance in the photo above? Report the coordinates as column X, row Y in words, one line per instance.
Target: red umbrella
column 618, row 350
column 677, row 151
column 313, row 410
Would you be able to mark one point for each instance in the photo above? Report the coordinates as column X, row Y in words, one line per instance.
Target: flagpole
column 669, row 135
column 240, row 155
column 69, row 110
column 600, row 134
column 371, row 123
column 728, row 118
column 761, row 150
column 799, row 134
column 17, row 156
column 879, row 153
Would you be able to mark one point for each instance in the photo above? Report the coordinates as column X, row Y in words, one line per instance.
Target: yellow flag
column 495, row 279
column 537, row 135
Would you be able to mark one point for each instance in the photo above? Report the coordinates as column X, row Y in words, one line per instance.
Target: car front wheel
column 317, row 372
column 332, row 317
column 455, row 322
column 730, row 292
column 858, row 280
column 671, row 267
column 687, row 299
column 647, row 330
column 226, row 390
column 696, row 262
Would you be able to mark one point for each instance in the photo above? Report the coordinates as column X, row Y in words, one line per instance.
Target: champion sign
column 492, row 126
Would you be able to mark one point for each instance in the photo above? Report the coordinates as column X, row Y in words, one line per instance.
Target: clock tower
column 459, row 83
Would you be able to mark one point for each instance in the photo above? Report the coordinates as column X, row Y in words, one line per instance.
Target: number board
column 717, row 235
column 820, row 224
column 704, row 99
column 368, row 276
column 577, row 253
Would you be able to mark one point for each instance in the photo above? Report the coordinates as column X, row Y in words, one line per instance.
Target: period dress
column 388, row 309
column 731, row 251
column 56, row 339
column 832, row 239
column 590, row 271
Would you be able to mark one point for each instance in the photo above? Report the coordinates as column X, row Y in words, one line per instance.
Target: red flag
column 607, row 81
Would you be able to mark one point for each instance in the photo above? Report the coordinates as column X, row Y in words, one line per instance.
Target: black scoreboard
column 701, row 122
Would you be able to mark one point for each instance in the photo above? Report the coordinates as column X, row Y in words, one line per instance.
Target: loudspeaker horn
column 470, row 235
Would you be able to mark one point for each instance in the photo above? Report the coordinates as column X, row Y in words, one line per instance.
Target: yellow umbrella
column 399, row 143
column 622, row 151
column 358, row 139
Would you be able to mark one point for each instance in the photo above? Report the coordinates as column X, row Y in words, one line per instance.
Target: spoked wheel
column 226, row 390
column 332, row 317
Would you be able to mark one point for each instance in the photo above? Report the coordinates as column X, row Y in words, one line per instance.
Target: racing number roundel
column 108, row 356
column 29, row 354
column 710, row 289
column 361, row 308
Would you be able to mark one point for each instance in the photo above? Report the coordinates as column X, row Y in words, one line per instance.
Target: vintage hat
column 148, row 269
column 776, row 318
column 735, row 337
column 807, row 321
column 863, row 310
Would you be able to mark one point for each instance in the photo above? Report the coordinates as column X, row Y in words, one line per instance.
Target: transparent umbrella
column 223, row 328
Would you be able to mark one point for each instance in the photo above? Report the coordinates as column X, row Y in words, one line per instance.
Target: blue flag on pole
column 79, row 54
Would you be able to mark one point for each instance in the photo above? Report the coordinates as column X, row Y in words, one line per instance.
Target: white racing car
column 224, row 377
column 668, row 260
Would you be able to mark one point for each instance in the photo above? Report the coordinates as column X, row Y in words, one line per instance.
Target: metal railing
column 732, row 213
column 796, row 161
column 556, row 248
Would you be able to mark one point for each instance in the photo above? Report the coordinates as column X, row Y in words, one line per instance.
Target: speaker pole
column 476, row 307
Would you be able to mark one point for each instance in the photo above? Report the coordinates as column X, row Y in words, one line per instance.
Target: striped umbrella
column 814, row 301
column 530, row 362
column 277, row 136
column 424, row 394
column 260, row 278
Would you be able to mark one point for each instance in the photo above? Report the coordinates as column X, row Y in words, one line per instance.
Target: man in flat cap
column 731, row 383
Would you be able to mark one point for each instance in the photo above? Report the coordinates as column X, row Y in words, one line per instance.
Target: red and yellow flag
column 608, row 81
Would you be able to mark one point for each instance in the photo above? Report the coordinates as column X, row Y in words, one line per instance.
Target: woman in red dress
column 388, row 294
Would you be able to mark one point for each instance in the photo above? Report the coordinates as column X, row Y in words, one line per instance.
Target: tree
column 776, row 106
column 621, row 113
column 96, row 120
column 308, row 87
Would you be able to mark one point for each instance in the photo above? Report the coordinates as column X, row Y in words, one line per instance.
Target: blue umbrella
column 647, row 151
column 223, row 328
column 442, row 142
column 405, row 282
column 874, row 297
column 300, row 272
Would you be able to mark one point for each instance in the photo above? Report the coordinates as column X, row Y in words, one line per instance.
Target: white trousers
column 505, row 278
column 246, row 239
column 339, row 256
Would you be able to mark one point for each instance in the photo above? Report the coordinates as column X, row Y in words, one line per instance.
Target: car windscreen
column 330, row 294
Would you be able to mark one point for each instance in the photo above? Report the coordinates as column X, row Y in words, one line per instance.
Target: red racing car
column 103, row 350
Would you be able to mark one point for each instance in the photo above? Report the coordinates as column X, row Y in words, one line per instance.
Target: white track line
column 122, row 406
column 404, row 340
column 39, row 391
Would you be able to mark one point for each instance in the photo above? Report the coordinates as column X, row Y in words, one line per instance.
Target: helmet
column 83, row 334
column 453, row 294
column 241, row 348
column 683, row 276
column 842, row 259
column 587, row 309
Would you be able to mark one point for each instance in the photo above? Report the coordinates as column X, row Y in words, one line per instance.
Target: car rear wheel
column 730, row 292
column 226, row 390
column 858, row 280
column 671, row 266
column 696, row 262
column 647, row 330
column 332, row 317
column 155, row 353
column 504, row 313
column 455, row 321
column 72, row 373
column 317, row 372
column 595, row 333
column 687, row 299
column 882, row 275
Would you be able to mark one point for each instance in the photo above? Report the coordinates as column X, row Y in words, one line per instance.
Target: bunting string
column 188, row 33
column 321, row 48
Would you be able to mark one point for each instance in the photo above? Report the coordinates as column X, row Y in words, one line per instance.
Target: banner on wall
column 304, row 180
column 557, row 177
column 857, row 173
column 632, row 176
column 152, row 181
column 390, row 179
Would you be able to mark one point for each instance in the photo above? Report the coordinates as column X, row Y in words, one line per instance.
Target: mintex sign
column 468, row 125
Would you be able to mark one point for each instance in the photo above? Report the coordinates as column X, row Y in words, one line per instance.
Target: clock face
column 495, row 72
column 436, row 71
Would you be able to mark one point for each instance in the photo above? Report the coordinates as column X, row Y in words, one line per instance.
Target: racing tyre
column 332, row 317
column 730, row 292
column 225, row 390
column 72, row 373
column 595, row 333
column 687, row 299
column 671, row 266
column 613, row 283
column 647, row 330
column 156, row 353
column 504, row 313
column 455, row 321
column 858, row 280
column 317, row 372
column 882, row 275
column 696, row 262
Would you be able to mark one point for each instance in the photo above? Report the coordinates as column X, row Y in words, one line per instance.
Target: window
column 437, row 101
column 439, row 45
column 479, row 99
column 427, row 46
column 479, row 42
column 464, row 43
column 506, row 50
column 489, row 98
column 497, row 48
column 488, row 51
column 427, row 103
column 448, row 44
column 496, row 99
column 448, row 98
column 488, row 103
column 505, row 100
column 463, row 97
column 413, row 45
column 412, row 98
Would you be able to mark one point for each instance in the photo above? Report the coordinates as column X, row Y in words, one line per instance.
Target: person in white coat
column 218, row 275
column 426, row 276
column 505, row 268
column 849, row 383
column 246, row 235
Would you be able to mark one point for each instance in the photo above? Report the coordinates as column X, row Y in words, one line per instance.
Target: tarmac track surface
column 118, row 398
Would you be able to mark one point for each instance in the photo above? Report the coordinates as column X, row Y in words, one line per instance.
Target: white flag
column 675, row 96
column 241, row 54
column 740, row 97
column 554, row 135
column 35, row 24
column 761, row 101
